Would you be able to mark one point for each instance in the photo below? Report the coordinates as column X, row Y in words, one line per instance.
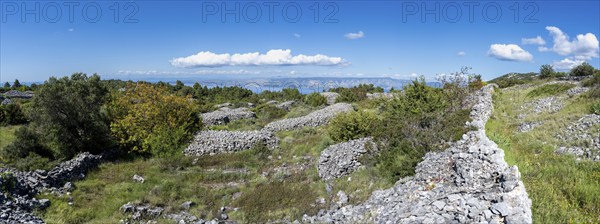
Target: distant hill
column 513, row 78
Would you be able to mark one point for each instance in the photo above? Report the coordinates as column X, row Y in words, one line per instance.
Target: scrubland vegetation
column 147, row 126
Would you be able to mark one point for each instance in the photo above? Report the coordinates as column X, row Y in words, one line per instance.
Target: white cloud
column 536, row 40
column 272, row 57
column 583, row 47
column 566, row 64
column 509, row 52
column 461, row 53
column 71, row 29
column 297, row 35
column 354, row 36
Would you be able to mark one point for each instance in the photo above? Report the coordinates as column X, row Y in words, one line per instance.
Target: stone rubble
column 17, row 203
column 330, row 96
column 145, row 213
column 528, row 126
column 225, row 115
column 550, row 104
column 287, row 105
column 373, row 96
column 214, row 142
column 342, row 159
column 582, row 138
column 468, row 183
column 577, row 91
column 314, row 119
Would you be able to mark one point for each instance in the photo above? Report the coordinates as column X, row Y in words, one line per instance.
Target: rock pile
column 468, row 183
column 550, row 104
column 372, row 96
column 330, row 96
column 18, row 94
column 583, row 138
column 577, row 91
column 225, row 115
column 141, row 213
column 314, row 119
column 528, row 126
column 287, row 105
column 342, row 159
column 17, row 201
column 214, row 142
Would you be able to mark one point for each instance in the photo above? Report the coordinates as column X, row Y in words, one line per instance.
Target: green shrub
column 315, row 99
column 547, row 71
column 26, row 142
column 595, row 108
column 593, row 81
column 549, row 90
column 67, row 115
column 269, row 112
column 583, row 69
column 12, row 114
column 352, row 125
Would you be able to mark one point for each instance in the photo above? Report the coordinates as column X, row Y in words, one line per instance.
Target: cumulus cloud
column 536, row 40
column 354, row 36
column 461, row 53
column 566, row 63
column 583, row 47
column 272, row 57
column 509, row 52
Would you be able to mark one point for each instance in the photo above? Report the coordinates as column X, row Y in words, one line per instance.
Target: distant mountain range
column 305, row 85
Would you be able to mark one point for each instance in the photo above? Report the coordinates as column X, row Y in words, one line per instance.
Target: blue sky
column 396, row 39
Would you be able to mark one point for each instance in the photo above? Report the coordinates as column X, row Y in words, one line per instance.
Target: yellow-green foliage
column 352, row 125
column 315, row 99
column 148, row 118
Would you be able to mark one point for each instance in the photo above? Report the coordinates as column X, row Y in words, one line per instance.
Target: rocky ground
column 17, row 200
column 330, row 96
column 468, row 183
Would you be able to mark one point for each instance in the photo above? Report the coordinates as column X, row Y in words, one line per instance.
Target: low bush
column 315, row 100
column 352, row 125
column 584, row 69
column 269, row 112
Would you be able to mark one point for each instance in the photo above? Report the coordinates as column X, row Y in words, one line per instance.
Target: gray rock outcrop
column 225, row 115
column 314, row 119
column 214, row 142
column 342, row 159
column 330, row 96
column 468, row 183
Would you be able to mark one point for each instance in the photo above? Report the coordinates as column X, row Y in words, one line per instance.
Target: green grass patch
column 7, row 135
column 549, row 90
column 562, row 189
